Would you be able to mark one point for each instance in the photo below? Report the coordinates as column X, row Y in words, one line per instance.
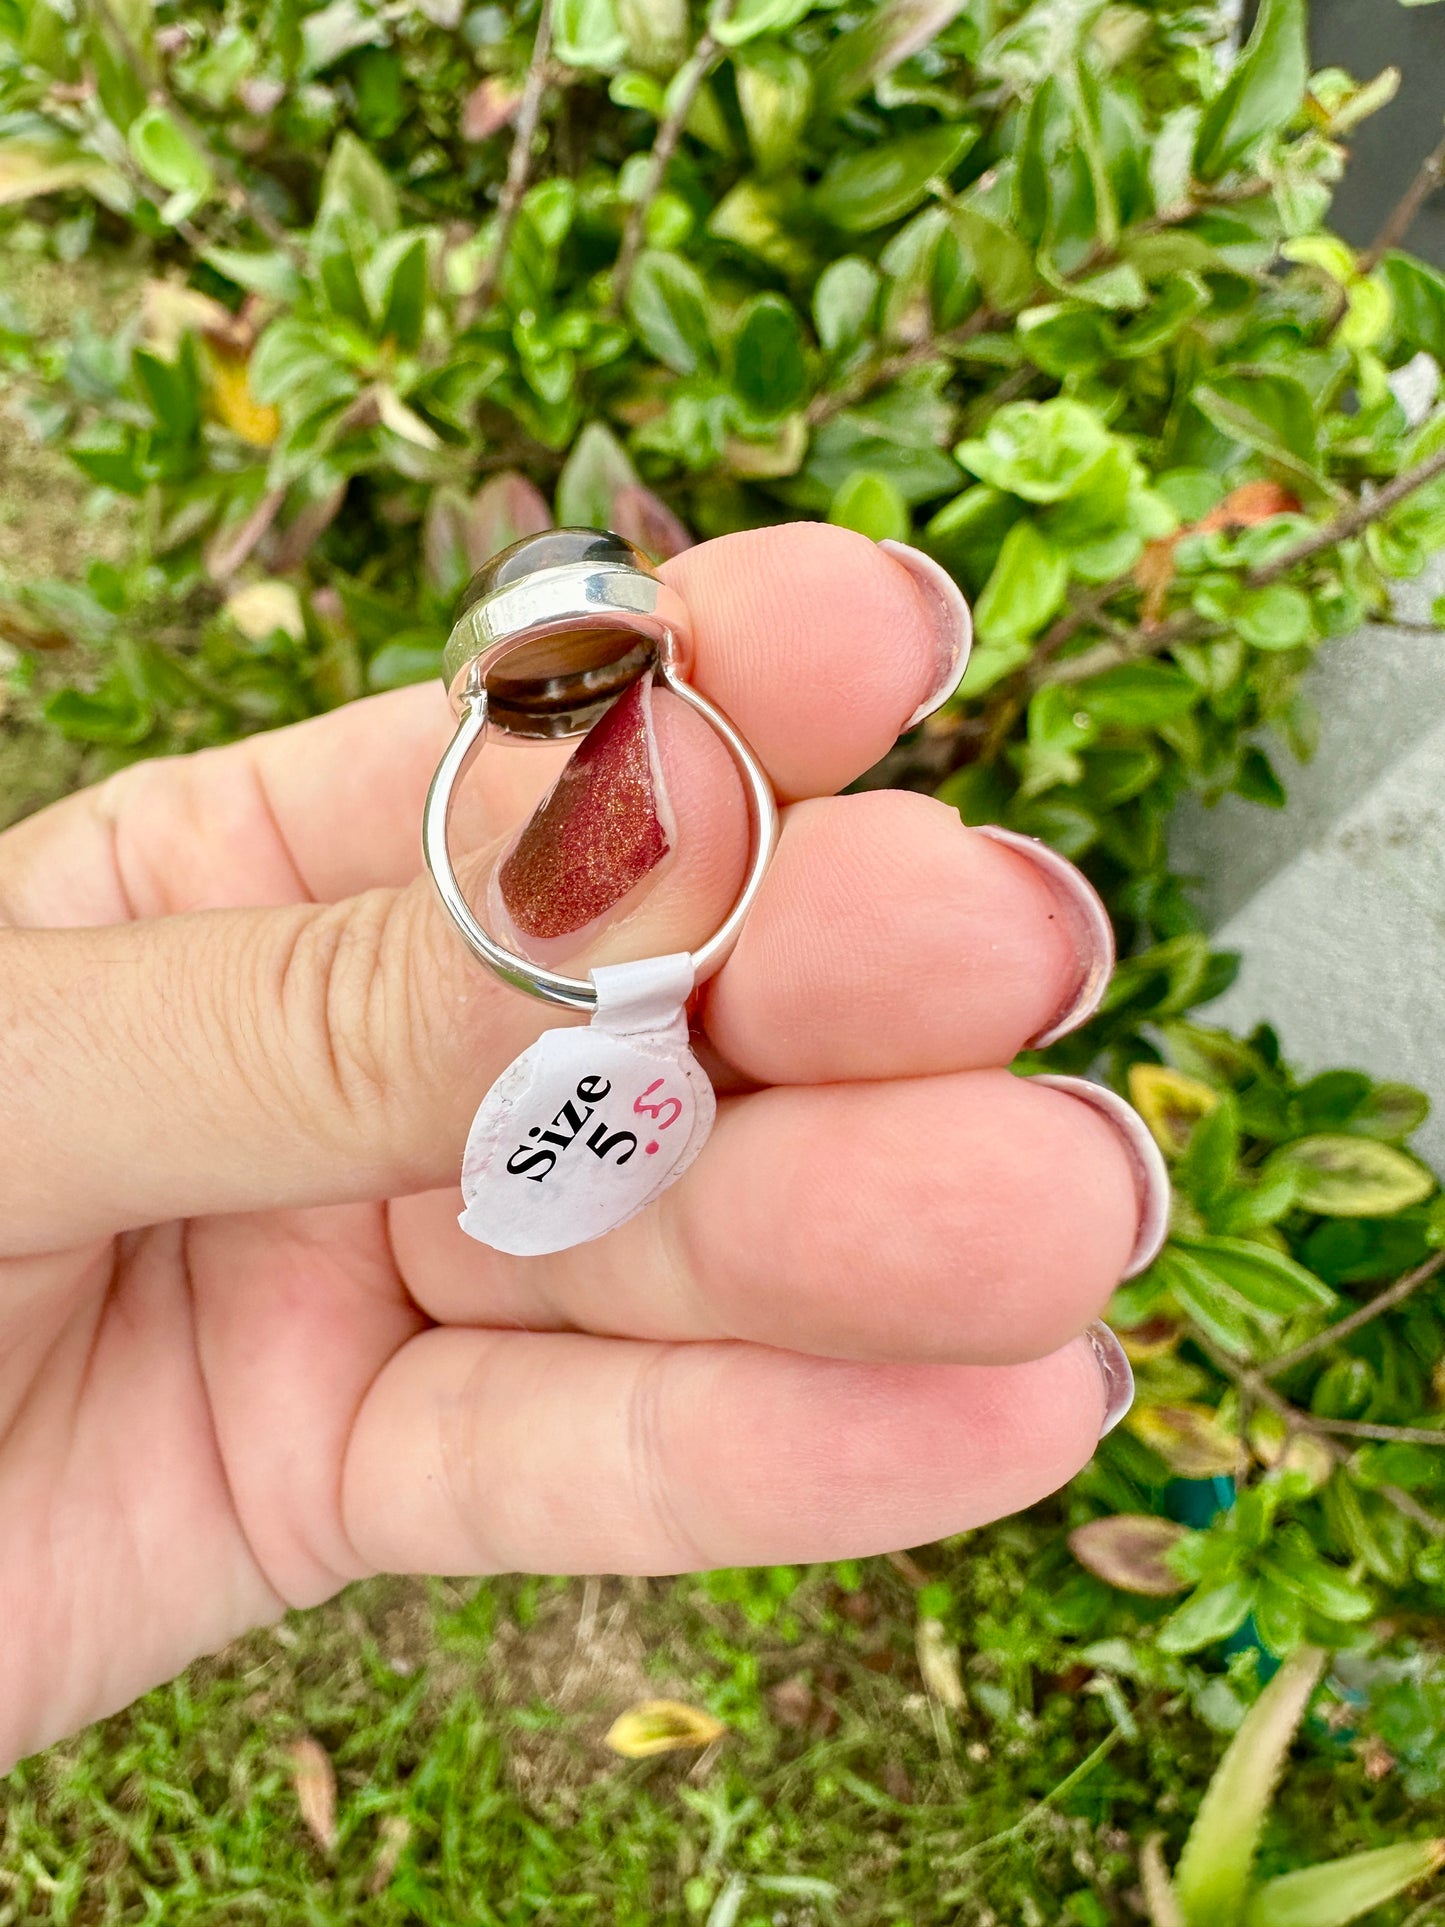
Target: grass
column 464, row 1722
column 465, row 1726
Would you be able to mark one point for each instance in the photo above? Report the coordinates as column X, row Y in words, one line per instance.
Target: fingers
column 890, row 941
column 819, row 645
column 975, row 1218
column 499, row 1451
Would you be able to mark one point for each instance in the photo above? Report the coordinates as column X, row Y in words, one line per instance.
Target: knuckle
column 343, row 1012
column 657, row 1508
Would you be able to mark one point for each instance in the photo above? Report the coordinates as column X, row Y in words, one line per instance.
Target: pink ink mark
column 650, row 1148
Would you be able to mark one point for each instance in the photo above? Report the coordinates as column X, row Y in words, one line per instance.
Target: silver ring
column 550, row 633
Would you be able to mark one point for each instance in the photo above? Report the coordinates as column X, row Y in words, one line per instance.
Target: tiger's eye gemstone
column 558, row 683
column 553, row 549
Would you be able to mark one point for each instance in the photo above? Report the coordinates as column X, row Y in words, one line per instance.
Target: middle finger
column 977, row 1218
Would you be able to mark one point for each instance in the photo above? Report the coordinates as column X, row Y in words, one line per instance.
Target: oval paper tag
column 580, row 1134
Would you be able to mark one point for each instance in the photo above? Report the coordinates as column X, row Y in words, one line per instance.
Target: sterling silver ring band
column 507, row 665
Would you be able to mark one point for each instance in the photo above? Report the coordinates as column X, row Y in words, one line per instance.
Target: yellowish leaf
column 1189, row 1439
column 938, row 1663
column 28, row 168
column 313, row 1779
column 261, row 608
column 661, row 1726
column 169, row 311
column 228, row 385
column 1170, row 1103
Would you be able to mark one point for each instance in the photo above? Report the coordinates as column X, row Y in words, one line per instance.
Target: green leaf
column 1212, row 1877
column 775, row 93
column 769, row 374
column 1041, row 450
column 396, row 281
column 867, row 189
column 171, row 160
column 1262, row 93
column 1276, row 617
column 1026, row 588
column 749, row 18
column 258, row 272
column 1340, row 1176
column 1269, row 412
column 1418, row 294
column 1209, row 1614
column 668, row 305
column 1391, row 1111
column 595, row 470
column 586, row 33
column 1263, row 1277
column 889, row 35
column 873, row 506
column 1002, row 264
column 843, row 303
column 1137, row 695
column 115, row 715
column 1335, row 1892
column 356, row 188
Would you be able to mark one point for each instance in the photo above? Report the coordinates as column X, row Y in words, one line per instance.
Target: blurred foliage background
column 308, row 310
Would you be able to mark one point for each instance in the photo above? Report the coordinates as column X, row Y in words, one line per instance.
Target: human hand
column 234, row 1377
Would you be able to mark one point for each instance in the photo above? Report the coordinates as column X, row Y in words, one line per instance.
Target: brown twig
column 519, row 168
column 1396, row 1294
column 1401, row 217
column 1354, row 1428
column 1186, row 626
column 1258, row 1386
column 684, row 89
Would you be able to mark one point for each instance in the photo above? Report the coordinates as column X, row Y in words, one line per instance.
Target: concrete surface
column 1338, row 902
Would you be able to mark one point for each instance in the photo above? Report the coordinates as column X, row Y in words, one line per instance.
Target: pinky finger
column 497, row 1451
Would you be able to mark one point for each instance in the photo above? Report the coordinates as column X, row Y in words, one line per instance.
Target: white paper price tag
column 591, row 1123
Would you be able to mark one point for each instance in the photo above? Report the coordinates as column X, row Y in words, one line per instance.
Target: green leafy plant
column 1214, row 1884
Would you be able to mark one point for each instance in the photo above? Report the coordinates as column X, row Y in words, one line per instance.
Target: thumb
column 238, row 1060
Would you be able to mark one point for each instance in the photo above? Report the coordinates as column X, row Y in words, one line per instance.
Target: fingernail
column 1089, row 927
column 1151, row 1179
column 1116, row 1372
column 953, row 623
column 597, row 833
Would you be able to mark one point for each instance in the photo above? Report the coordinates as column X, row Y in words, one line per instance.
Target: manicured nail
column 952, row 621
column 1116, row 1372
column 598, row 831
column 1089, row 927
column 1151, row 1178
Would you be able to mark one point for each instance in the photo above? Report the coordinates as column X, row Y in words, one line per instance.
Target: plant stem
column 1350, row 522
column 1396, row 1294
column 1036, row 1811
column 1256, row 1385
column 685, row 85
column 1401, row 217
column 519, row 167
column 1351, row 1428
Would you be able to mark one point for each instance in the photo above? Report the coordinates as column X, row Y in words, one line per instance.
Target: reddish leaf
column 1250, row 503
column 644, row 518
column 488, row 108
column 502, row 512
column 1127, row 1550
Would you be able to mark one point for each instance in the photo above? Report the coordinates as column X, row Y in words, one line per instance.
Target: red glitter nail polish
column 598, row 831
